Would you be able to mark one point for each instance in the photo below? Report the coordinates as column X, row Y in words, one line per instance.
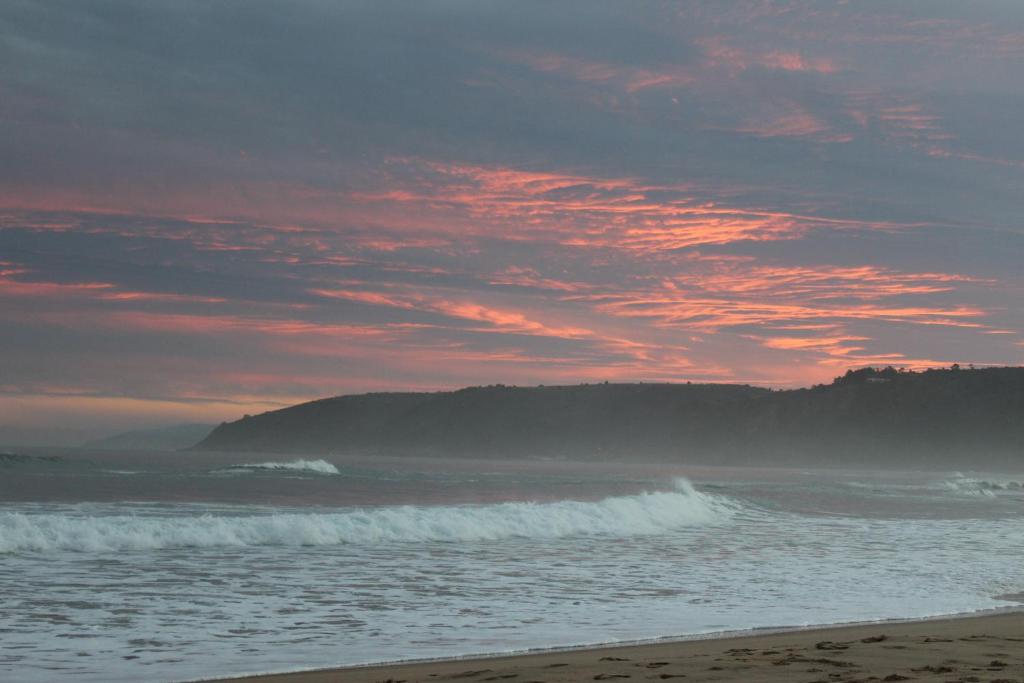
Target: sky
column 212, row 209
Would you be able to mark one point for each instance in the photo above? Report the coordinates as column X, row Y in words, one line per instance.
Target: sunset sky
column 216, row 208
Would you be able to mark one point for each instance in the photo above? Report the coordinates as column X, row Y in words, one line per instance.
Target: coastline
column 987, row 646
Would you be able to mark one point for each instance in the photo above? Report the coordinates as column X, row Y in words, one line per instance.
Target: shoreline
column 904, row 648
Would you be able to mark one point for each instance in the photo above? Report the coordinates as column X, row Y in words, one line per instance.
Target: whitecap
column 312, row 466
column 622, row 516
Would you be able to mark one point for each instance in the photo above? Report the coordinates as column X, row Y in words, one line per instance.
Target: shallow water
column 170, row 567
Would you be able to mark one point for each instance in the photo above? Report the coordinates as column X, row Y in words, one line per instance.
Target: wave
column 981, row 487
column 10, row 459
column 314, row 466
column 622, row 516
column 961, row 485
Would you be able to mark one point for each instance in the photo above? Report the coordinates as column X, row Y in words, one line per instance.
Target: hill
column 938, row 418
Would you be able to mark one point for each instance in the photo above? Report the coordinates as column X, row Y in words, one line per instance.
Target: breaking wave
column 314, row 466
column 982, row 487
column 622, row 516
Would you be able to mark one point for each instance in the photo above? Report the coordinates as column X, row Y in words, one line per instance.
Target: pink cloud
column 496, row 319
column 99, row 291
column 721, row 53
column 580, row 211
column 794, row 61
column 629, row 79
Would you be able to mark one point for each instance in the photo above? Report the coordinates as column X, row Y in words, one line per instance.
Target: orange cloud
column 808, row 282
column 507, row 321
column 794, row 61
column 839, row 352
column 630, row 79
column 19, row 288
column 721, row 53
column 501, row 320
column 714, row 314
column 792, row 297
column 794, row 123
column 520, row 276
column 831, row 345
column 901, row 120
column 580, row 211
column 100, row 291
column 222, row 324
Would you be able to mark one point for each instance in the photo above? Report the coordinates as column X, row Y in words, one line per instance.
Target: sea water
column 169, row 567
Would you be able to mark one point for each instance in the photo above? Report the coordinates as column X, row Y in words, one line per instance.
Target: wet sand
column 966, row 650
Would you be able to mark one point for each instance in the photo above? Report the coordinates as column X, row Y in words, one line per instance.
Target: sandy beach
column 968, row 649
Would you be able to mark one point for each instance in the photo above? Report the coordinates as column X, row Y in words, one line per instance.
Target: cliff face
column 942, row 418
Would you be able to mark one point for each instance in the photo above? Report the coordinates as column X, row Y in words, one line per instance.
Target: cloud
column 585, row 210
column 631, row 79
column 500, row 320
column 743, row 295
column 266, row 202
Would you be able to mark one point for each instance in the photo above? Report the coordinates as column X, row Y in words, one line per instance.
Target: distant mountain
column 953, row 417
column 173, row 438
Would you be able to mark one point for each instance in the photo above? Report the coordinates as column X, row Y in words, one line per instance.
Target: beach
column 988, row 648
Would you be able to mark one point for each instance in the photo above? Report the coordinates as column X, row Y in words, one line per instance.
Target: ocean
column 182, row 566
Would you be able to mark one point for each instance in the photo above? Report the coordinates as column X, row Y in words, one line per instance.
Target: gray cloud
column 272, row 200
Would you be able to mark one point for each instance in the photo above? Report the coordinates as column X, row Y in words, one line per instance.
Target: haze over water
column 171, row 566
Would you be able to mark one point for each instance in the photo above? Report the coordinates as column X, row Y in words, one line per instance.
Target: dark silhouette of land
column 959, row 418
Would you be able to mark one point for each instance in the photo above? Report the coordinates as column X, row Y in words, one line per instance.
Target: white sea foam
column 623, row 516
column 981, row 487
column 314, row 466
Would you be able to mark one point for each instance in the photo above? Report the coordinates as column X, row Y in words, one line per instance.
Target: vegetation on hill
column 947, row 417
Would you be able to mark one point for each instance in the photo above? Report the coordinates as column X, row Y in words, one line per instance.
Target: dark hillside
column 937, row 417
column 942, row 418
column 588, row 421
